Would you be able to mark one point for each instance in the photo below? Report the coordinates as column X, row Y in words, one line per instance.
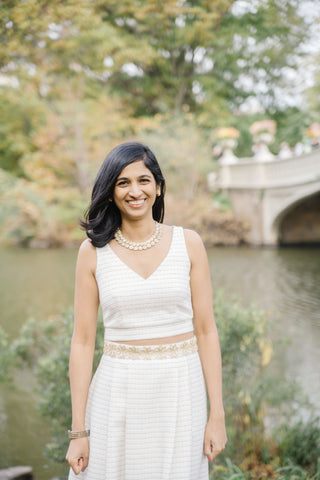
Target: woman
column 145, row 412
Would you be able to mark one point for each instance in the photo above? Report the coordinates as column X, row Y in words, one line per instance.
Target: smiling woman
column 135, row 189
column 103, row 216
column 145, row 410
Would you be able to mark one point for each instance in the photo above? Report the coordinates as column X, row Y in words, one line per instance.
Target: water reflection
column 34, row 283
column 285, row 282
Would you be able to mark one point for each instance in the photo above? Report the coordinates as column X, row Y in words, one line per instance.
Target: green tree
column 21, row 116
column 204, row 56
column 197, row 55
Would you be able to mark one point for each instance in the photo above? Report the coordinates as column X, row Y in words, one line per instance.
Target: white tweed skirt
column 147, row 412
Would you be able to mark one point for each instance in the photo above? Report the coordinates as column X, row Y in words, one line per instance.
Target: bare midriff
column 159, row 341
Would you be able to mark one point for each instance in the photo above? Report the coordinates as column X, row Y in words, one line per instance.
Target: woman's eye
column 144, row 180
column 123, row 182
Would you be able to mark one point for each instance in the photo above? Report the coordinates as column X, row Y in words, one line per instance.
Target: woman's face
column 135, row 191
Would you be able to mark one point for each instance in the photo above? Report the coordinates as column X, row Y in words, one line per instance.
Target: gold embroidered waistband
column 145, row 352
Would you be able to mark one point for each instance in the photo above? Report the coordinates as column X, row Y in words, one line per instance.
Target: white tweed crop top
column 136, row 308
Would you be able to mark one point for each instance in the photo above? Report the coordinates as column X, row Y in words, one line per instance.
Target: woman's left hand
column 215, row 438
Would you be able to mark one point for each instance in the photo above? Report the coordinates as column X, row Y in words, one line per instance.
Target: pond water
column 38, row 283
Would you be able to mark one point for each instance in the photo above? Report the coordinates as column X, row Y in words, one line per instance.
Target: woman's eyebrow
column 122, row 178
column 140, row 176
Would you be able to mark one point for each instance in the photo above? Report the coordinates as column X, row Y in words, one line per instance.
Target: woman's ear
column 158, row 190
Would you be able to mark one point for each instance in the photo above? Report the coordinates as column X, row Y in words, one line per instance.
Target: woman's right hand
column 78, row 454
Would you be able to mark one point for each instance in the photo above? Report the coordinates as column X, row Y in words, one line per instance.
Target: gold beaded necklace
column 139, row 245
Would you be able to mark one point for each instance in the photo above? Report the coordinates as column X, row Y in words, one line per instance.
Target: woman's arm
column 86, row 304
column 208, row 343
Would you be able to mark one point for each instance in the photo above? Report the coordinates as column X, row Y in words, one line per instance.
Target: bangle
column 78, row 434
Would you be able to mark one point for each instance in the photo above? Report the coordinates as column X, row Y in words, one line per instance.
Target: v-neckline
column 156, row 269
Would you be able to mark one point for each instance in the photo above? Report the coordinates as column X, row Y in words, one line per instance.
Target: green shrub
column 290, row 471
column 6, row 356
column 221, row 201
column 295, row 472
column 46, row 346
column 300, row 443
column 246, row 351
column 228, row 471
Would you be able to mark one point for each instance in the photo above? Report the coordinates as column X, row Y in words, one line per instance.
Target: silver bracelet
column 78, row 434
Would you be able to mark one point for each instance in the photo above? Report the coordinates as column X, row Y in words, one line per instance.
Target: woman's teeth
column 136, row 202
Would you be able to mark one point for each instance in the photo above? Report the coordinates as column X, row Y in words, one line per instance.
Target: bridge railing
column 250, row 173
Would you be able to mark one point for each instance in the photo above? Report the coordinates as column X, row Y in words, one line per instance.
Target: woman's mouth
column 136, row 203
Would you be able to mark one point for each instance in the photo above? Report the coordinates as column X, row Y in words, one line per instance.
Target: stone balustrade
column 250, row 174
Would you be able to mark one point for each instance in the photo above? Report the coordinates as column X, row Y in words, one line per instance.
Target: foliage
column 291, row 126
column 70, row 144
column 6, row 356
column 313, row 93
column 31, row 212
column 251, row 393
column 23, row 115
column 196, row 53
column 246, row 350
column 290, row 471
column 53, row 379
column 228, row 471
column 300, row 443
column 182, row 150
column 45, row 347
column 221, row 201
column 295, row 472
column 158, row 58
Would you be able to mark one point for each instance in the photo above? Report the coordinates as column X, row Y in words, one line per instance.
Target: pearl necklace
column 138, row 245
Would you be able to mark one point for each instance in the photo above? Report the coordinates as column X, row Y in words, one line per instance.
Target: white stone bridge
column 280, row 197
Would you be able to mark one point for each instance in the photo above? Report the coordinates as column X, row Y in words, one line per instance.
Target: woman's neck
column 139, row 230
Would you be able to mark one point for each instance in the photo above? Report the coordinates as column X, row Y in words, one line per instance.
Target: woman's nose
column 135, row 189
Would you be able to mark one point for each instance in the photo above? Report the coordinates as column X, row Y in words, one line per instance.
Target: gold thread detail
column 146, row 352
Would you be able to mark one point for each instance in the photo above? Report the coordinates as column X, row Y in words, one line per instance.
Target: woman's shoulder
column 87, row 254
column 86, row 247
column 192, row 238
column 193, row 241
column 190, row 235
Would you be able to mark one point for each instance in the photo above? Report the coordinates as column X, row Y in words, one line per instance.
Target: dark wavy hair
column 102, row 217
